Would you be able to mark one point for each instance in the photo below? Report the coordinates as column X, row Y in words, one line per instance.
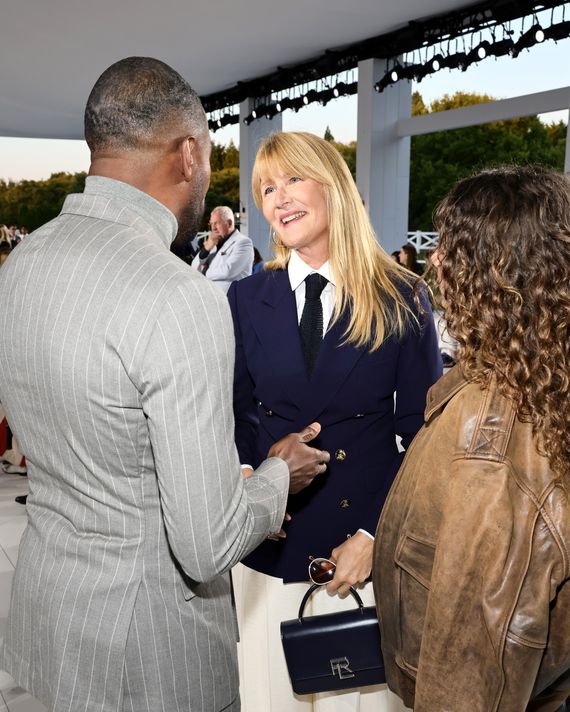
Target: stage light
column 483, row 49
column 309, row 97
column 559, row 31
column 339, row 89
column 531, row 37
column 386, row 81
column 435, row 63
column 475, row 54
column 419, row 71
column 297, row 103
column 455, row 61
column 501, row 48
column 271, row 111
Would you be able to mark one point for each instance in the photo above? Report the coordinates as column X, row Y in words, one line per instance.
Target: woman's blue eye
column 295, row 179
column 268, row 190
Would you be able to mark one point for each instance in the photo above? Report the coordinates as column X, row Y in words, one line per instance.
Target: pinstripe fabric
column 116, row 364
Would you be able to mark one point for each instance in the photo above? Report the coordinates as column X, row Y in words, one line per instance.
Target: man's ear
column 187, row 149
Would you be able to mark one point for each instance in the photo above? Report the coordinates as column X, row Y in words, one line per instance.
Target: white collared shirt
column 298, row 269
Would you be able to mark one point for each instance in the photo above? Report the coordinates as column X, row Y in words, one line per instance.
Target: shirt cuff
column 367, row 533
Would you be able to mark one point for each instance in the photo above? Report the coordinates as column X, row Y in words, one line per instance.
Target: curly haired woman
column 472, row 553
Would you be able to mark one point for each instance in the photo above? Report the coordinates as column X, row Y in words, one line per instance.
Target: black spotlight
column 270, row 111
column 531, row 37
column 396, row 73
column 502, row 47
column 285, row 103
column 559, row 31
column 325, row 96
column 297, row 103
column 339, row 90
column 435, row 63
column 455, row 61
column 483, row 49
column 310, row 96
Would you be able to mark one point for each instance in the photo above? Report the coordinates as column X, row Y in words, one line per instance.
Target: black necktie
column 311, row 324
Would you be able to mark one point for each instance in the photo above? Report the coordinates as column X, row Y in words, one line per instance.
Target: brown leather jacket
column 472, row 563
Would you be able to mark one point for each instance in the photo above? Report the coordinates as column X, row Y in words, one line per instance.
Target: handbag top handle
column 314, row 587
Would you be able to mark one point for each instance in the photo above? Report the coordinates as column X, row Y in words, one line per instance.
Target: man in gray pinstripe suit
column 116, row 364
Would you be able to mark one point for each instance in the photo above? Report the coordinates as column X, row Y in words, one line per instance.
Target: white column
column 253, row 224
column 383, row 158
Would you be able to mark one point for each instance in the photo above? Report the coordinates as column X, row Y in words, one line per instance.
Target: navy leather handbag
column 333, row 651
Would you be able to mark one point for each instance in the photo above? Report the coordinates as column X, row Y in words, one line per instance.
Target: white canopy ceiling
column 52, row 51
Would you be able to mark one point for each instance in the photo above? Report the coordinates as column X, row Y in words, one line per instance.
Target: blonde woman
column 330, row 330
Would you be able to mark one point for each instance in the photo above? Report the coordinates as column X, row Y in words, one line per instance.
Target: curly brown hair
column 504, row 255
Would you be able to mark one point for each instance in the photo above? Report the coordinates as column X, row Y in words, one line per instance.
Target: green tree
column 224, row 190
column 328, row 135
column 224, row 156
column 418, row 106
column 438, row 160
column 231, row 159
column 33, row 203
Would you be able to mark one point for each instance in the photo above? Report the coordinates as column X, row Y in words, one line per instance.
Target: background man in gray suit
column 225, row 255
column 122, row 401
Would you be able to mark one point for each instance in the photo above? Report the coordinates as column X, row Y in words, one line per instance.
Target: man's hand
column 353, row 560
column 281, row 534
column 211, row 241
column 304, row 462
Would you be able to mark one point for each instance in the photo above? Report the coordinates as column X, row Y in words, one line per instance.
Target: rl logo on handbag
column 341, row 668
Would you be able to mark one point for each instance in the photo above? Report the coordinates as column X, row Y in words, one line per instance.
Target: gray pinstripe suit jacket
column 116, row 366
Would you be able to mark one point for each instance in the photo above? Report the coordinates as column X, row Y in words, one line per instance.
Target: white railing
column 423, row 241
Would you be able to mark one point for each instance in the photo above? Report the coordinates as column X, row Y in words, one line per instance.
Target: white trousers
column 262, row 602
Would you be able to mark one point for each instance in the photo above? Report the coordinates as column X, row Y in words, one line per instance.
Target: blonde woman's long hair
column 368, row 281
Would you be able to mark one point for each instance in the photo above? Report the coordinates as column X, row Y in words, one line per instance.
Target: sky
column 542, row 67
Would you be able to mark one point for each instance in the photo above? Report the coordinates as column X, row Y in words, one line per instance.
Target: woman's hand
column 353, row 560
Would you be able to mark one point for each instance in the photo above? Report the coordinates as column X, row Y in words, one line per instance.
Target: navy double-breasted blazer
column 350, row 393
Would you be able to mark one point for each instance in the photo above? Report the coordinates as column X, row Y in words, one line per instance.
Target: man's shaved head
column 136, row 97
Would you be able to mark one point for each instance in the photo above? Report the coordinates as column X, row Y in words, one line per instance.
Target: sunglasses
column 321, row 571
